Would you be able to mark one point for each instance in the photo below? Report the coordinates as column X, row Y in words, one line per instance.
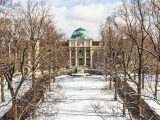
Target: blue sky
column 88, row 14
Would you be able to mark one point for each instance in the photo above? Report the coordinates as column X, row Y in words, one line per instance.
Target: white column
column 70, row 58
column 91, row 58
column 84, row 56
column 90, row 43
column 76, row 57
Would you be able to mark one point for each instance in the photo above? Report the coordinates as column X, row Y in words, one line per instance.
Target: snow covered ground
column 148, row 92
column 79, row 98
column 5, row 106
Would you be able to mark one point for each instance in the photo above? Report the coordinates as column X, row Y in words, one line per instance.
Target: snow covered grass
column 148, row 92
column 5, row 106
column 79, row 98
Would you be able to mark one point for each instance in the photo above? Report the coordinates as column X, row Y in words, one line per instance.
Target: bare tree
column 134, row 17
column 22, row 36
column 154, row 35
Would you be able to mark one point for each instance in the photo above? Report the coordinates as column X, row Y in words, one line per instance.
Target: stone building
column 82, row 48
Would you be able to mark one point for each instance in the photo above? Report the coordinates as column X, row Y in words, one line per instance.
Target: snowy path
column 77, row 98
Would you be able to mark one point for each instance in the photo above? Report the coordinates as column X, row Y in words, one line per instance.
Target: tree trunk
column 2, row 89
column 33, row 87
column 33, row 64
column 49, row 70
column 156, row 82
column 14, row 101
column 14, row 105
column 124, row 101
column 53, row 77
column 143, row 80
column 33, row 55
column 42, row 70
column 33, row 77
column 134, row 75
column 139, row 89
column 116, row 89
column 110, row 84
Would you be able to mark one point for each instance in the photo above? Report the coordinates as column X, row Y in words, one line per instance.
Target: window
column 80, row 53
column 80, row 61
column 87, row 61
column 87, row 53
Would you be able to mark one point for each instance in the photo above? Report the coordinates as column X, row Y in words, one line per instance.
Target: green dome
column 80, row 33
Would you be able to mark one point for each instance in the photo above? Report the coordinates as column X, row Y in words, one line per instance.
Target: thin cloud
column 87, row 16
column 71, row 14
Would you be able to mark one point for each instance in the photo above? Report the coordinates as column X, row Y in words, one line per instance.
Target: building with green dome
column 81, row 48
column 80, row 33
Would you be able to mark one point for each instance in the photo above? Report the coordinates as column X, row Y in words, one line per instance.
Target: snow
column 79, row 98
column 148, row 92
column 5, row 106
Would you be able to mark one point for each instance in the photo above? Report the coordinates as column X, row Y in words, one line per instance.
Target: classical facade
column 82, row 48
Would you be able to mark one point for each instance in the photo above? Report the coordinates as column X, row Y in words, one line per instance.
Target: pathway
column 79, row 98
